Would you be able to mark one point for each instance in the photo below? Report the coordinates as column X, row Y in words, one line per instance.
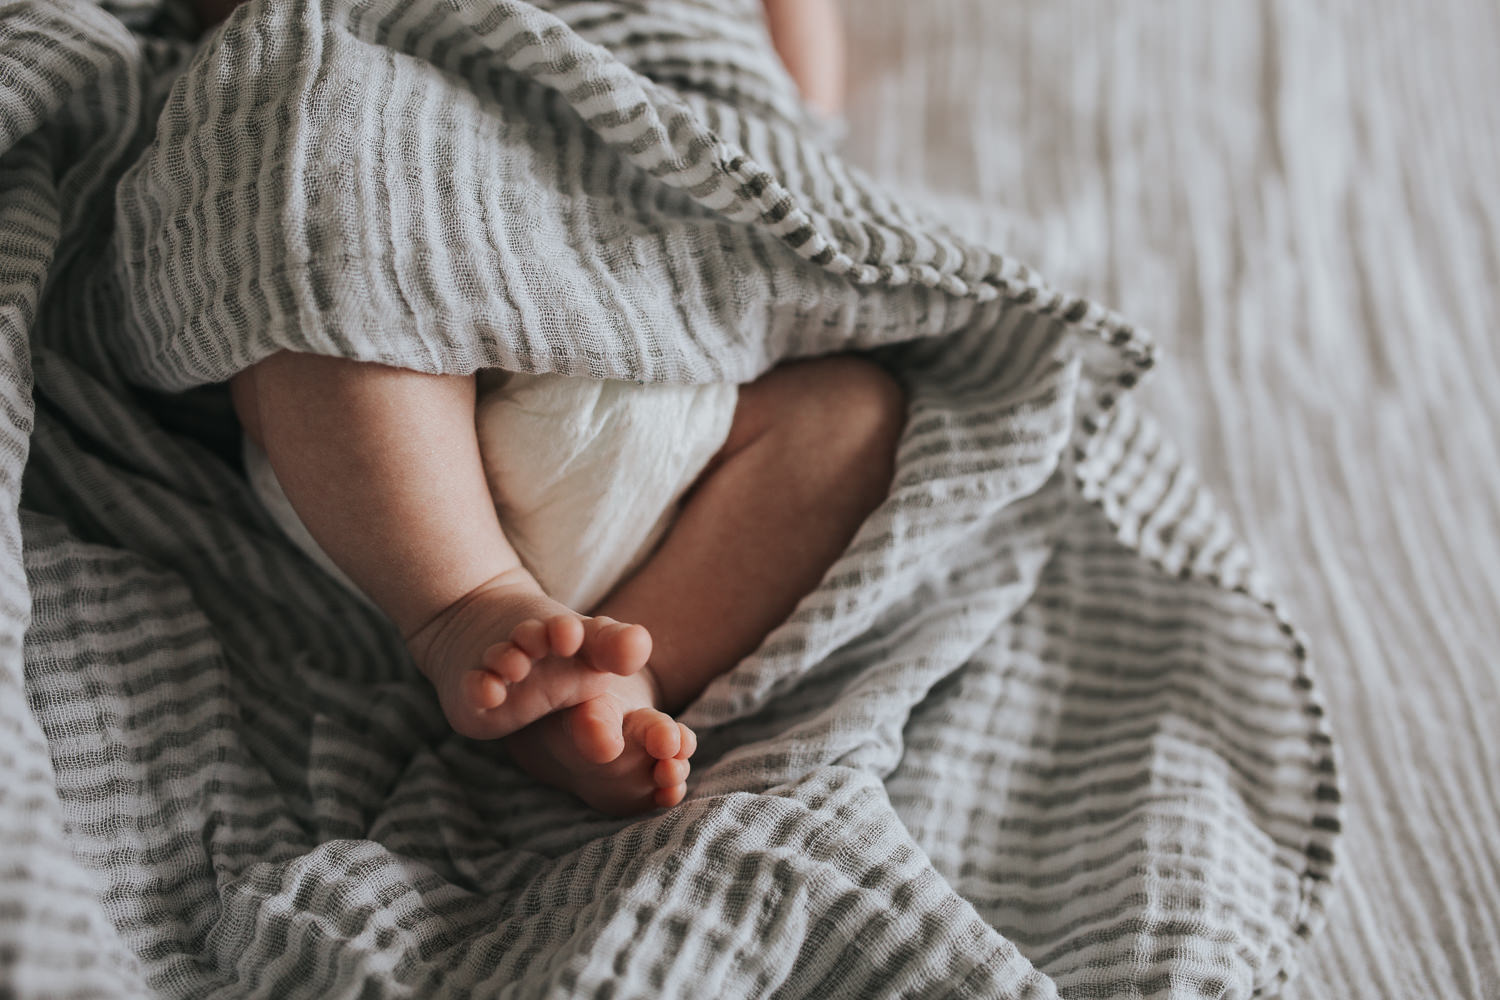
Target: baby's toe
column 666, row 798
column 655, row 731
column 483, row 690
column 596, row 729
column 688, row 742
column 616, row 647
column 508, row 661
column 670, row 772
column 531, row 637
column 565, row 634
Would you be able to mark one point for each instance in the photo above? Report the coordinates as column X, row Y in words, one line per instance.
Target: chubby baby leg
column 810, row 455
column 382, row 466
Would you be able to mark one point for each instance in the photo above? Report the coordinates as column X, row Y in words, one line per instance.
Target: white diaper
column 586, row 473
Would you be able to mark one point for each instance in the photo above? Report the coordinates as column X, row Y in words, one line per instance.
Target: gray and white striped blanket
column 1040, row 732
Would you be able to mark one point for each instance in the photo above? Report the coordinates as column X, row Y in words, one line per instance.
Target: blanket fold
column 1041, row 731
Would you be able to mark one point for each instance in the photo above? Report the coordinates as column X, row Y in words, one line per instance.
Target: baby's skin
column 575, row 694
column 382, row 465
column 584, row 701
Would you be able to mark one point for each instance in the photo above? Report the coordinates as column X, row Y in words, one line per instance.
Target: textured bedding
column 1300, row 200
column 1042, row 730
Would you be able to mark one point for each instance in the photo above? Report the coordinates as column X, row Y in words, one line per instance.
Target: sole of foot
column 507, row 655
column 617, row 755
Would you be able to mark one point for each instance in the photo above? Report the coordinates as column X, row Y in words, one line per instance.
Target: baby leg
column 810, row 454
column 382, row 466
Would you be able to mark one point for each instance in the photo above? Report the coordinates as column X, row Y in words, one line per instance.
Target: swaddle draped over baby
column 472, row 186
column 1041, row 711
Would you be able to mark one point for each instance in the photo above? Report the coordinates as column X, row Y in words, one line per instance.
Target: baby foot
column 507, row 654
column 614, row 751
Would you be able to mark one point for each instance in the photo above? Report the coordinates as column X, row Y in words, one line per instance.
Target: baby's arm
column 809, row 38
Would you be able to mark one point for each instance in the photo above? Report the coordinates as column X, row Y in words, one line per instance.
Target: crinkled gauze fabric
column 1040, row 730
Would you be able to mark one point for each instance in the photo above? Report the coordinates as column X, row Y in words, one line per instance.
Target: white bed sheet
column 1302, row 201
